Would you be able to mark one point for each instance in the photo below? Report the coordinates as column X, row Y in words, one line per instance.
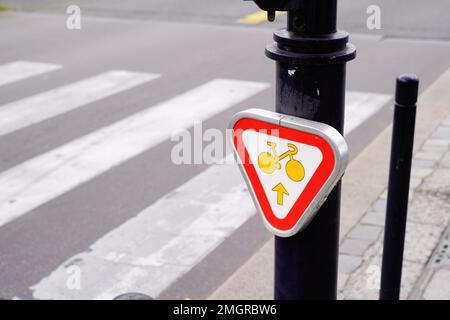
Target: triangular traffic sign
column 290, row 165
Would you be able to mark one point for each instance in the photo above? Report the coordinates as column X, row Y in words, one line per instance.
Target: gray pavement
column 426, row 237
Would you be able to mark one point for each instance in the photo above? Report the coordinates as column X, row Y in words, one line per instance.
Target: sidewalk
column 428, row 219
column 426, row 268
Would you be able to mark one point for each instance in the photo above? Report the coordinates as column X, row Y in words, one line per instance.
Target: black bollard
column 398, row 190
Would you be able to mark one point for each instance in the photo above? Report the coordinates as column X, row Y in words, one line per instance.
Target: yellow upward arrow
column 281, row 191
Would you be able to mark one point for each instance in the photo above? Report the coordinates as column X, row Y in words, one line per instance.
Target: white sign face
column 290, row 165
column 281, row 188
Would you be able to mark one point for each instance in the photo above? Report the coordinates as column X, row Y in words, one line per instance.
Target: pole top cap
column 407, row 89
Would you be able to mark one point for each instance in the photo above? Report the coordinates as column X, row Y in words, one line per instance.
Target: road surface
column 86, row 119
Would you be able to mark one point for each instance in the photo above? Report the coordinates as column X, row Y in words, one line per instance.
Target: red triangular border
column 318, row 180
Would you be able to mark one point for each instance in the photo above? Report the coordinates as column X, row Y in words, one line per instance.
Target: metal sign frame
column 329, row 134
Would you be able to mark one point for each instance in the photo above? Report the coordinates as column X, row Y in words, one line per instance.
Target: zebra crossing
column 51, row 174
column 164, row 241
column 21, row 70
column 43, row 106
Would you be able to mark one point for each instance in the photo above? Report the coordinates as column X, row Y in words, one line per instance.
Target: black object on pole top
column 273, row 5
column 407, row 89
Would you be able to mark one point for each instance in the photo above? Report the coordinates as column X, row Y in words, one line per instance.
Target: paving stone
column 428, row 218
column 438, row 288
column 379, row 205
column 444, row 127
column 342, row 279
column 438, row 181
column 355, row 247
column 410, row 274
column 420, row 172
column 441, row 133
column 415, row 182
column 348, row 264
column 441, row 256
column 420, row 241
column 365, row 283
column 374, row 217
column 446, row 121
column 365, row 232
column 380, row 247
column 429, row 208
column 436, row 145
column 445, row 162
column 428, row 155
column 377, row 248
column 437, row 142
column 422, row 163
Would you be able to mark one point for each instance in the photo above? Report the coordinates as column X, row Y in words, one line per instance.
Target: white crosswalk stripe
column 45, row 177
column 360, row 106
column 21, row 70
column 22, row 113
column 163, row 242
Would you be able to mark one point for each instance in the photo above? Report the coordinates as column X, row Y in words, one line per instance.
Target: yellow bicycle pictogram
column 269, row 162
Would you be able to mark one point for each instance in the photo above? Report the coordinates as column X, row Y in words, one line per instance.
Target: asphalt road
column 77, row 168
column 399, row 18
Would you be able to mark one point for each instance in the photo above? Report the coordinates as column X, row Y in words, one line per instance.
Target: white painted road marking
column 45, row 177
column 20, row 70
column 360, row 106
column 161, row 243
column 22, row 113
column 152, row 250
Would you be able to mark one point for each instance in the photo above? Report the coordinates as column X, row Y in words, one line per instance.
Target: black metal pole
column 398, row 190
column 311, row 58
